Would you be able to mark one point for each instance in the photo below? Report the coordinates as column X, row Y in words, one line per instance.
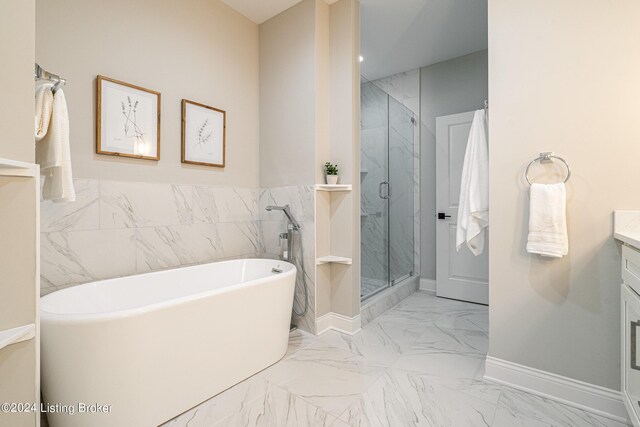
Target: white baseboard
column 428, row 285
column 589, row 397
column 338, row 322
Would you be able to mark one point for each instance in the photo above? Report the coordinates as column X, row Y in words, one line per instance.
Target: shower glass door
column 401, row 213
column 387, row 190
column 374, row 173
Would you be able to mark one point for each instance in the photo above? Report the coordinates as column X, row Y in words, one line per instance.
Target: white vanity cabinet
column 630, row 327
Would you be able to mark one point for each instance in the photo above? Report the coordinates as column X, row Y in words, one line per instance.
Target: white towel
column 548, row 221
column 53, row 153
column 473, row 209
column 44, row 104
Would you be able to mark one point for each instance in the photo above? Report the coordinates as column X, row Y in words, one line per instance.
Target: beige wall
column 344, row 136
column 563, row 76
column 200, row 50
column 19, row 376
column 287, row 97
column 17, row 44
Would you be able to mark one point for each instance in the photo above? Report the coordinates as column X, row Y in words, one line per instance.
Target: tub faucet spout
column 285, row 210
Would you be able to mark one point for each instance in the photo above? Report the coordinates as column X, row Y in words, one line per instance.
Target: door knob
column 441, row 215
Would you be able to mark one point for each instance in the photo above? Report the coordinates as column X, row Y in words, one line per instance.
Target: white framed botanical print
column 203, row 134
column 128, row 120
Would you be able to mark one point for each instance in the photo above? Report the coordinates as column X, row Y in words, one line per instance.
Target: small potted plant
column 331, row 173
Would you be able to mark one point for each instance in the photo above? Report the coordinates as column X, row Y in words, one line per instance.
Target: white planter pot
column 332, row 179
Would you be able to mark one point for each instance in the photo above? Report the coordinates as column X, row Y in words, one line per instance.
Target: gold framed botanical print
column 127, row 120
column 203, row 134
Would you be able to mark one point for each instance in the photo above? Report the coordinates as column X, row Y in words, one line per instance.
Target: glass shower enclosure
column 387, row 190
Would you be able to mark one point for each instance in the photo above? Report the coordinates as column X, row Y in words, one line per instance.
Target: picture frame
column 204, row 130
column 127, row 120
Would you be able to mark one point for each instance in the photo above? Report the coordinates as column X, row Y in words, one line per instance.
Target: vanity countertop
column 626, row 227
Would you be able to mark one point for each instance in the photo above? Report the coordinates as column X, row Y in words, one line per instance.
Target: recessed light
column 361, row 58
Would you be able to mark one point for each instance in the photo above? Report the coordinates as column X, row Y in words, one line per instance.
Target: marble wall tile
column 172, row 246
column 401, row 232
column 404, row 87
column 411, row 85
column 300, row 199
column 302, row 205
column 374, row 247
column 69, row 257
column 373, row 114
column 141, row 227
column 238, row 238
column 224, row 204
column 308, row 321
column 160, row 220
column 130, row 205
column 83, row 214
column 270, row 232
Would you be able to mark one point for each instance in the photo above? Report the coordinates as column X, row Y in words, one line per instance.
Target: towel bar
column 41, row 73
column 547, row 157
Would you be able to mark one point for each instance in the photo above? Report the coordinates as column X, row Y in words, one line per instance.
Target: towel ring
column 547, row 157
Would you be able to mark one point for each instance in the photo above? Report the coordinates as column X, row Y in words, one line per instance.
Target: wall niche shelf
column 337, row 187
column 16, row 335
column 10, row 167
column 333, row 259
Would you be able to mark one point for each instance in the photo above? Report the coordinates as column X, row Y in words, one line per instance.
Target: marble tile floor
column 419, row 364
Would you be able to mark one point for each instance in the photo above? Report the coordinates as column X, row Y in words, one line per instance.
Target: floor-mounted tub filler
column 151, row 346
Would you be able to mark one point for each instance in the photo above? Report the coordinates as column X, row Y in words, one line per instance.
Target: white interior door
column 459, row 275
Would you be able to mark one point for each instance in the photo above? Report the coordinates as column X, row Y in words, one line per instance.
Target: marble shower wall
column 301, row 201
column 120, row 228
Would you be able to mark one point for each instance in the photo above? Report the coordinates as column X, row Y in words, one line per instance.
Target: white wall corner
column 588, row 397
column 428, row 285
column 338, row 322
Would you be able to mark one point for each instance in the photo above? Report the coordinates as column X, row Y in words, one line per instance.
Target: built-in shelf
column 333, row 259
column 337, row 187
column 15, row 335
column 10, row 167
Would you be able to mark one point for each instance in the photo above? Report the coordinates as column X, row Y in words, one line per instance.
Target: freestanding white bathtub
column 151, row 346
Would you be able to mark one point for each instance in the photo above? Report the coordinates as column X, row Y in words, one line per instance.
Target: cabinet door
column 631, row 353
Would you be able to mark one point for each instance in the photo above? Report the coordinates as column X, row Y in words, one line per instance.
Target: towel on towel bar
column 547, row 221
column 473, row 208
column 53, row 153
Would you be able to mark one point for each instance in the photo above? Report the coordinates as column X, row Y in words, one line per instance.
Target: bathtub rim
column 62, row 318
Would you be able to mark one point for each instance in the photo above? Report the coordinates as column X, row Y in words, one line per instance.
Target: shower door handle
column 380, row 190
